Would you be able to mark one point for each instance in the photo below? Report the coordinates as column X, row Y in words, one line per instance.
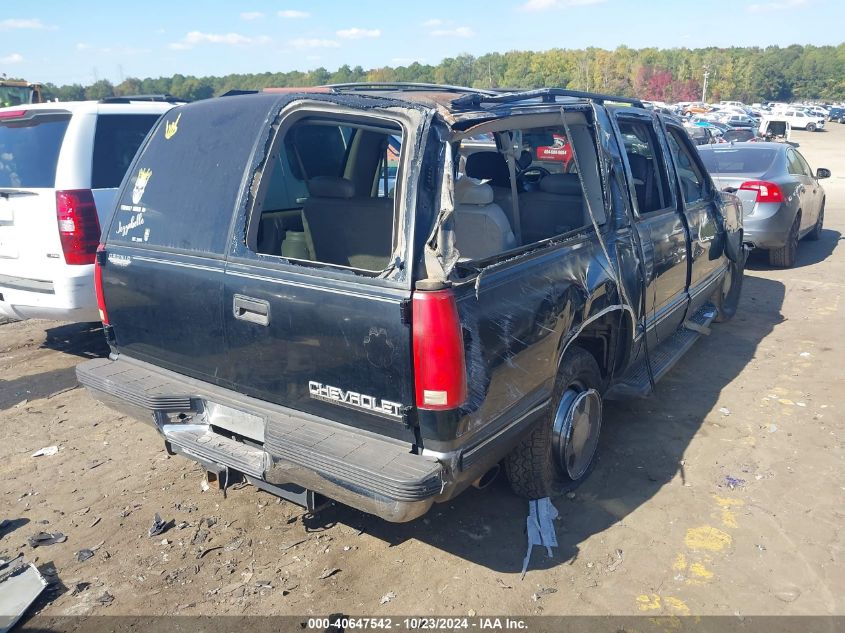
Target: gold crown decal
column 171, row 127
column 141, row 181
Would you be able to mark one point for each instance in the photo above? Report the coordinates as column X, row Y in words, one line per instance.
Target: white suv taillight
column 79, row 227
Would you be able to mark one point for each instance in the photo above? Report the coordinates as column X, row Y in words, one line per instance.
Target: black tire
column 816, row 234
column 811, row 127
column 533, row 469
column 784, row 257
column 726, row 298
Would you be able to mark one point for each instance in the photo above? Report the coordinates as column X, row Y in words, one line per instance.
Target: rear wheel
column 811, row 127
column 727, row 296
column 784, row 257
column 816, row 234
column 558, row 453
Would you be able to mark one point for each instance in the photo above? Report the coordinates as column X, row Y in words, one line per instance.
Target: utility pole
column 704, row 89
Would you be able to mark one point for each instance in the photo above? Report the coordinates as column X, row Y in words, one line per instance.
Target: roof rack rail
column 236, row 92
column 409, row 85
column 164, row 98
column 547, row 95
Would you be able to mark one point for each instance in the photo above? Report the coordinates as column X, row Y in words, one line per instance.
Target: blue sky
column 64, row 42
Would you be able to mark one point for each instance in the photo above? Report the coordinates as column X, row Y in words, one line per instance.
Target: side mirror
column 821, row 172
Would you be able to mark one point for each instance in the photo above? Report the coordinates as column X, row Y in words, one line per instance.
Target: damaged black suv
column 378, row 293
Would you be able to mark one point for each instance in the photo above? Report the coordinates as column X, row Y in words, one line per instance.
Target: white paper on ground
column 540, row 528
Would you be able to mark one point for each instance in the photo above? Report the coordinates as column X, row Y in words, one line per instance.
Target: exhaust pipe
column 487, row 478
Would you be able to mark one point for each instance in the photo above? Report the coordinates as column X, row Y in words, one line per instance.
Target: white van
column 60, row 166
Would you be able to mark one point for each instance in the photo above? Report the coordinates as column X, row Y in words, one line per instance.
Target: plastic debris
column 83, row 555
column 387, row 597
column 805, row 354
column 46, row 538
column 733, row 482
column 20, row 584
column 724, row 411
column 612, row 567
column 106, row 598
column 47, row 451
column 159, row 526
column 542, row 592
column 540, row 528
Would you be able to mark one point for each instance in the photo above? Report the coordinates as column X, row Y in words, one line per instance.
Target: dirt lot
column 721, row 494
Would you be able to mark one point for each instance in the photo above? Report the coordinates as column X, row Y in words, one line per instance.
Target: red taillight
column 79, row 228
column 766, row 191
column 439, row 366
column 98, row 284
column 12, row 114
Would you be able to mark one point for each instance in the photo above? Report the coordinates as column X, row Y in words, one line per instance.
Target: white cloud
column 14, row 58
column 775, row 6
column 230, row 39
column 304, row 43
column 544, row 5
column 25, row 23
column 358, row 34
column 251, row 15
column 293, row 14
column 431, row 23
column 82, row 46
column 460, row 31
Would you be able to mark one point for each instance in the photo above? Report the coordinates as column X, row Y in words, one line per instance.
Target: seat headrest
column 489, row 165
column 331, row 187
column 561, row 184
column 471, row 191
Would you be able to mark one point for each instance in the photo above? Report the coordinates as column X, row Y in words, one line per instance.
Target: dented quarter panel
column 517, row 318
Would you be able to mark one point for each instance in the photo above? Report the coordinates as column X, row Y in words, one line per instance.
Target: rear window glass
column 29, row 151
column 738, row 161
column 116, row 140
column 182, row 191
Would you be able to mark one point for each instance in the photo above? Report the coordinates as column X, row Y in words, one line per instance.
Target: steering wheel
column 534, row 174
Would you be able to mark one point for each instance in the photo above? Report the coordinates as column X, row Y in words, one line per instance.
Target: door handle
column 253, row 310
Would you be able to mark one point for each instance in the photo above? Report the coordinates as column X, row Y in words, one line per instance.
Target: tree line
column 748, row 74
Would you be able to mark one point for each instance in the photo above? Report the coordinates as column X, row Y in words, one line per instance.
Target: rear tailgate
column 30, row 143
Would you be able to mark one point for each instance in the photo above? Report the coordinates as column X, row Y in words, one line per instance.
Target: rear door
column 808, row 189
column 660, row 225
column 699, row 203
column 30, row 144
column 167, row 241
column 316, row 297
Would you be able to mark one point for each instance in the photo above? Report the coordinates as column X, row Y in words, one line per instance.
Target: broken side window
column 648, row 169
column 542, row 186
column 329, row 193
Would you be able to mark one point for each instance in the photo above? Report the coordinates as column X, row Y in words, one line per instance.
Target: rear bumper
column 768, row 226
column 69, row 298
column 368, row 472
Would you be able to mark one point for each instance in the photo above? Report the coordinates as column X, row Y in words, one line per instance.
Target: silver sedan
column 782, row 199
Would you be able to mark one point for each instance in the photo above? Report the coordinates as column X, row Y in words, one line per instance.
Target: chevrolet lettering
column 353, row 399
